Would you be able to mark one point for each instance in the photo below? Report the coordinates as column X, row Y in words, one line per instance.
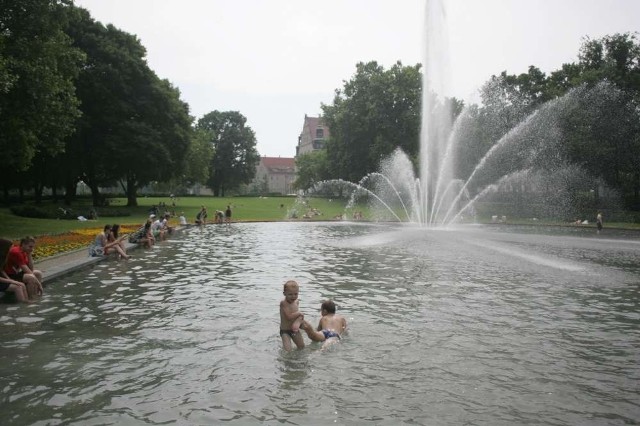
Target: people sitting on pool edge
column 101, row 246
column 143, row 235
column 330, row 328
column 19, row 266
column 8, row 285
column 114, row 237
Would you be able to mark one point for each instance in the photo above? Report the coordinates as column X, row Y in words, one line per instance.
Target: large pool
column 475, row 325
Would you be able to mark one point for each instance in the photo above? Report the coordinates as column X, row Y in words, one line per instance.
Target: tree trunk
column 69, row 192
column 37, row 192
column 132, row 199
column 95, row 195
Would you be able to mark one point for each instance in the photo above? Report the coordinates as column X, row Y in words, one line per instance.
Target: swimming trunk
column 329, row 334
column 289, row 332
column 17, row 277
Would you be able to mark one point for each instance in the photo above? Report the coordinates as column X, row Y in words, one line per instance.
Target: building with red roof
column 275, row 175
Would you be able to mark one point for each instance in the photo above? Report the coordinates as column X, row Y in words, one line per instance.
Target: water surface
column 478, row 325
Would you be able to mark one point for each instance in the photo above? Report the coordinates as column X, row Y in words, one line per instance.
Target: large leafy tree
column 601, row 125
column 38, row 65
column 377, row 111
column 198, row 159
column 134, row 128
column 312, row 168
column 234, row 143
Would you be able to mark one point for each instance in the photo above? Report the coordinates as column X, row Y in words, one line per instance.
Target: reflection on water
column 474, row 325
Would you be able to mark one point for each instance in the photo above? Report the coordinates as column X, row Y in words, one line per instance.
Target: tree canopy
column 235, row 156
column 38, row 66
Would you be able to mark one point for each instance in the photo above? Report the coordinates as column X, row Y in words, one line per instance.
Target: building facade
column 313, row 136
column 274, row 175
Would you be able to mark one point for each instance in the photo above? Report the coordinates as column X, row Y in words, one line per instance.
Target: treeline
column 591, row 119
column 78, row 102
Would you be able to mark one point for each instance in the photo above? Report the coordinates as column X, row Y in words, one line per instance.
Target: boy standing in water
column 330, row 327
column 290, row 317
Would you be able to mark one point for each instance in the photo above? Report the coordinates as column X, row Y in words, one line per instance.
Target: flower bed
column 50, row 245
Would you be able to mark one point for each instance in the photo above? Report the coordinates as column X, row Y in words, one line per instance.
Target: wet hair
column 107, row 228
column 115, row 229
column 289, row 284
column 328, row 306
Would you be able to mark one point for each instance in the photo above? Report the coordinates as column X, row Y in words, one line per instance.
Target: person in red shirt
column 19, row 266
column 7, row 284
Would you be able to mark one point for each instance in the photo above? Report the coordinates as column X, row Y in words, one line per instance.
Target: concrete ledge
column 56, row 271
column 55, row 267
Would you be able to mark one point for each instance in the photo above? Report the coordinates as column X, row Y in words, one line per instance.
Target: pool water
column 475, row 325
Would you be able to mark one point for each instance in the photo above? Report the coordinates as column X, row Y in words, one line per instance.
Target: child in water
column 331, row 325
column 290, row 317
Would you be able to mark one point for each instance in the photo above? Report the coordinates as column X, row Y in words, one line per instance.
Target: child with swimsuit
column 331, row 325
column 290, row 317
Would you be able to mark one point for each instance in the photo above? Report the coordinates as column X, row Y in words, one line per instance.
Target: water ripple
column 445, row 327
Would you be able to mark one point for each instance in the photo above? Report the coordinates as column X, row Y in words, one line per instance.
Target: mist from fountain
column 439, row 195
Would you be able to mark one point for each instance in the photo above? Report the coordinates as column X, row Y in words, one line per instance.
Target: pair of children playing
column 330, row 327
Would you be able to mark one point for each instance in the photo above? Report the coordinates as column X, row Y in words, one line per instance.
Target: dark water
column 470, row 326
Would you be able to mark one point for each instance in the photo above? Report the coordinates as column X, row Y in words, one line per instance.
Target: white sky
column 276, row 60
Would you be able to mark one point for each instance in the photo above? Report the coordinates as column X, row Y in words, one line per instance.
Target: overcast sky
column 276, row 60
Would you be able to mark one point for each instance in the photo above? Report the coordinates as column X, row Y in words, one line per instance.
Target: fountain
column 526, row 163
column 451, row 326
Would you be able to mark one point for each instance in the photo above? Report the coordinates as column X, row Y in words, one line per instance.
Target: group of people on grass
column 330, row 328
column 219, row 217
column 18, row 275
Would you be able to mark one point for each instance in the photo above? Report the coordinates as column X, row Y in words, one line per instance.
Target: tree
column 134, row 128
column 235, row 158
column 199, row 156
column 38, row 65
column 312, row 168
column 376, row 112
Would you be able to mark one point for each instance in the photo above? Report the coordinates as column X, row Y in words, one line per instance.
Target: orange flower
column 50, row 245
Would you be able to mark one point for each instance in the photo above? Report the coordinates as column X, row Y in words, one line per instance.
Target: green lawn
column 244, row 209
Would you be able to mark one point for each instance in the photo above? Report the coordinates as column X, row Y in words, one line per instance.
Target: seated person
column 19, row 267
column 157, row 229
column 102, row 247
column 114, row 238
column 164, row 224
column 143, row 235
column 330, row 328
column 7, row 285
